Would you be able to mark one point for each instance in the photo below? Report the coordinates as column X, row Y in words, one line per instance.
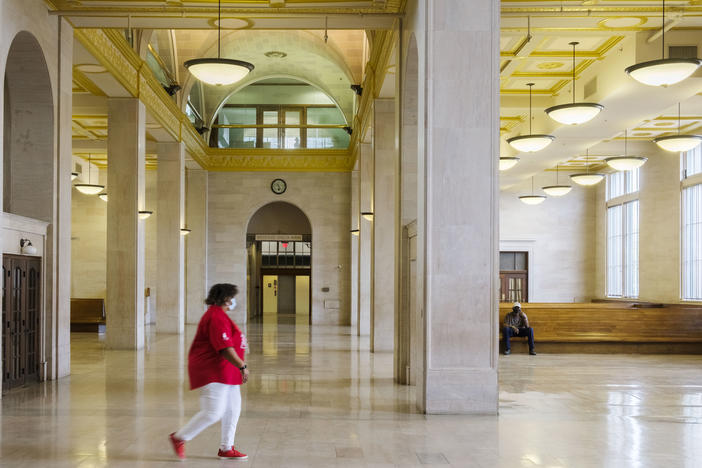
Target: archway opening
column 28, row 191
column 279, row 264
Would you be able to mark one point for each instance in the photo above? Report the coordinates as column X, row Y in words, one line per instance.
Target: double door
column 21, row 316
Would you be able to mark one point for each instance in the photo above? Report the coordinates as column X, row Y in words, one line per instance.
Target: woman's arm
column 230, row 355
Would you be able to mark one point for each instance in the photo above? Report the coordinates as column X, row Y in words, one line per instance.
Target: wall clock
column 278, row 186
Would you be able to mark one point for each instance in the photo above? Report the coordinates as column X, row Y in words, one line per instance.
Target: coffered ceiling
column 534, row 47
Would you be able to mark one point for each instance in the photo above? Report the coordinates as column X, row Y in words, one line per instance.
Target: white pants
column 217, row 401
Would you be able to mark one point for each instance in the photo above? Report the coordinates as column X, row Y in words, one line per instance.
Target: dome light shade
column 530, row 143
column 587, row 178
column 218, row 71
column 143, row 214
column 626, row 163
column 103, row 197
column 557, row 190
column 355, row 232
column 532, row 199
column 89, row 189
column 367, row 215
column 508, row 163
column 185, row 231
column 663, row 72
column 575, row 113
column 678, row 143
column 74, row 175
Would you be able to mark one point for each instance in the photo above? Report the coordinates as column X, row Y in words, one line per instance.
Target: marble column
column 62, row 281
column 365, row 241
column 354, row 246
column 385, row 226
column 125, row 232
column 170, row 253
column 195, row 244
column 459, row 207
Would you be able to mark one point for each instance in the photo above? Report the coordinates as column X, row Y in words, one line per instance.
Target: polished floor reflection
column 318, row 398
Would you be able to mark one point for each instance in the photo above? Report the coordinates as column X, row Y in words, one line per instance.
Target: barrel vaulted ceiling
column 534, row 47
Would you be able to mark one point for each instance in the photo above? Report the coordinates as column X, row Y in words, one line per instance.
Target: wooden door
column 21, row 320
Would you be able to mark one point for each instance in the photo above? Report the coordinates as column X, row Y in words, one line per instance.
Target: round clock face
column 278, row 186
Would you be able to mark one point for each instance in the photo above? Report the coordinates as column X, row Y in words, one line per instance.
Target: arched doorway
column 279, row 263
column 28, row 191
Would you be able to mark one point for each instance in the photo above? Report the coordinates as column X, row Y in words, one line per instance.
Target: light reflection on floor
column 318, row 398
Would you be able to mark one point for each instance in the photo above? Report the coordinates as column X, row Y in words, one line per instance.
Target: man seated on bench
column 517, row 324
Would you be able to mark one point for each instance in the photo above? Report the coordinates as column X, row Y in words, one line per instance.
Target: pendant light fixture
column 355, row 232
column 626, row 162
column 144, row 214
column 577, row 112
column 665, row 71
column 185, row 231
column 367, row 215
column 530, row 143
column 74, row 175
column 557, row 190
column 587, row 178
column 678, row 143
column 532, row 199
column 89, row 189
column 103, row 196
column 218, row 71
column 508, row 163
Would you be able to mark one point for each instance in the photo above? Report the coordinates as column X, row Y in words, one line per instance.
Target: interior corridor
column 318, row 398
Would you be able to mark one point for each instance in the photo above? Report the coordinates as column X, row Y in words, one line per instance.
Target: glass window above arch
column 280, row 113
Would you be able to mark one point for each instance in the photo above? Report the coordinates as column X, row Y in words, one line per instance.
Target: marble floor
column 318, row 398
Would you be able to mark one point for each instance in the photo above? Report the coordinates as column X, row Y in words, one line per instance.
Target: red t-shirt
column 215, row 332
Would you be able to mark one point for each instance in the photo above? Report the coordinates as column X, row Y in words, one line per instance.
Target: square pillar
column 458, row 228
column 170, row 254
column 195, row 244
column 125, row 232
column 355, row 222
column 365, row 241
column 385, row 226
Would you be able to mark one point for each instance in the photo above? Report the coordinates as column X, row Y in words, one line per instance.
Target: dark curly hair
column 220, row 293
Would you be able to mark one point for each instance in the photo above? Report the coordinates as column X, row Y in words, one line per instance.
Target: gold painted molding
column 262, row 159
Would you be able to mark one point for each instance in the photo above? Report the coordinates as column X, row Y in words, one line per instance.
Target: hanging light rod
column 678, row 143
column 577, row 112
column 89, row 189
column 557, row 190
column 532, row 199
column 218, row 71
column 664, row 71
column 530, row 143
column 587, row 178
column 626, row 162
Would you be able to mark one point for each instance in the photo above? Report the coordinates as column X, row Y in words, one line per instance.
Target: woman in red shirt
column 216, row 366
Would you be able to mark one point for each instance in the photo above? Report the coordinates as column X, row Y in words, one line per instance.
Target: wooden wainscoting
column 612, row 327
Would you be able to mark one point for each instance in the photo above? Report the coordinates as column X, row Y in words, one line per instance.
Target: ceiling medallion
column 275, row 54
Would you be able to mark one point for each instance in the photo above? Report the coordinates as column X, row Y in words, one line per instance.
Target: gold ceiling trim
column 85, row 83
column 263, row 159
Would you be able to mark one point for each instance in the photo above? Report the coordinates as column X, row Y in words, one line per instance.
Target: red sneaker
column 232, row 454
column 178, row 446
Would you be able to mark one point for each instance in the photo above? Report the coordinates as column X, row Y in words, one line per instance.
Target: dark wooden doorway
column 514, row 276
column 21, row 317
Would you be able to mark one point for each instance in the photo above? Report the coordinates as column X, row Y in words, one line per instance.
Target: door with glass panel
column 514, row 277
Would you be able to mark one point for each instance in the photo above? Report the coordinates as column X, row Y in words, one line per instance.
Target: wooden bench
column 87, row 315
column 612, row 327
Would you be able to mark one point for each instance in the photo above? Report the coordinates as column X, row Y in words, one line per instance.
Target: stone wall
column 233, row 198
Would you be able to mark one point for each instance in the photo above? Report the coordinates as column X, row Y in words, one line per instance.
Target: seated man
column 517, row 324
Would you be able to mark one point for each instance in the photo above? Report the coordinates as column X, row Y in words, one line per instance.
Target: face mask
column 233, row 304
